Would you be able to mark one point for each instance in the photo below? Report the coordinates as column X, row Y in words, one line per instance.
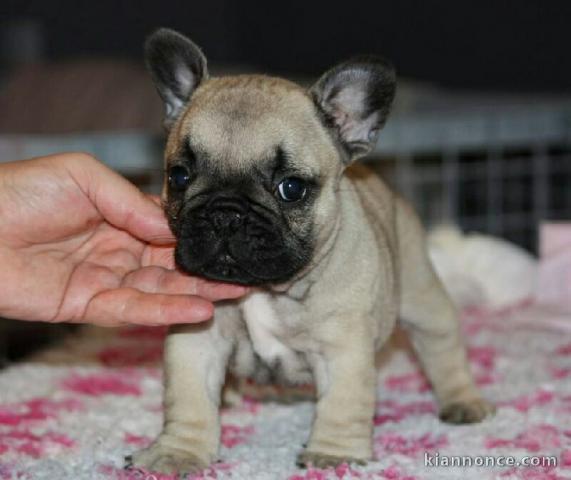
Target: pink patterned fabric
column 78, row 420
column 554, row 276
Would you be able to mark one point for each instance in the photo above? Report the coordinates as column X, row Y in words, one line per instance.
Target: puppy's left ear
column 355, row 99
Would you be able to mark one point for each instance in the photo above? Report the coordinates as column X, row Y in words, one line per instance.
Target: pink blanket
column 77, row 419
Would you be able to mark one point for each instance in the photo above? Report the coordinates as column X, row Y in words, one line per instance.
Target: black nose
column 227, row 213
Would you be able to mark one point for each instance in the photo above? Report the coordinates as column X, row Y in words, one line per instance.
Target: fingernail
column 238, row 290
column 198, row 310
column 202, row 311
column 241, row 288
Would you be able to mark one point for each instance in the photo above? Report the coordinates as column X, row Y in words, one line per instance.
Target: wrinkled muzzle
column 231, row 239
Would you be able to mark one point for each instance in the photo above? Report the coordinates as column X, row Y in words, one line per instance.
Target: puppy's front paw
column 469, row 411
column 169, row 461
column 321, row 460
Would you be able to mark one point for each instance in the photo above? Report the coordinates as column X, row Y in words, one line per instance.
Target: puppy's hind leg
column 195, row 368
column 432, row 321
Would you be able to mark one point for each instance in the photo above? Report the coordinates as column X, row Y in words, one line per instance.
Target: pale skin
column 79, row 243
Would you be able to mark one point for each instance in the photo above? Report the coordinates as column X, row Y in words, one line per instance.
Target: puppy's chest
column 278, row 337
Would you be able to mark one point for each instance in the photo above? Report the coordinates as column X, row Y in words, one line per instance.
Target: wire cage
column 492, row 166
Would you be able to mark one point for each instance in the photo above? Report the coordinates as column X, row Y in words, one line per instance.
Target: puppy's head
column 253, row 162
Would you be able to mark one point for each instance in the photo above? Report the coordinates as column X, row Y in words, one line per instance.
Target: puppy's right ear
column 177, row 66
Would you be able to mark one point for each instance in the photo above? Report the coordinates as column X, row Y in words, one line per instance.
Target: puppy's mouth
column 224, row 267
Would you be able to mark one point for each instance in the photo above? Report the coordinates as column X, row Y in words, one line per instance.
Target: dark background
column 513, row 45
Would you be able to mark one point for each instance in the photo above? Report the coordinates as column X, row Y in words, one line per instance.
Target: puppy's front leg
column 343, row 426
column 195, row 367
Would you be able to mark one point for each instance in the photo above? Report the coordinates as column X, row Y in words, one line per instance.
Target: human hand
column 79, row 243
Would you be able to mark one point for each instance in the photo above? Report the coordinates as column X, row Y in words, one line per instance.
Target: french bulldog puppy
column 261, row 190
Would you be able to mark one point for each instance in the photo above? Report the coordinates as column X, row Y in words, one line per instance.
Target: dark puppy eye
column 179, row 177
column 292, row 189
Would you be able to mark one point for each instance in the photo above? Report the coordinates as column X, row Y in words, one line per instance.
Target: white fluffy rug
column 75, row 412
